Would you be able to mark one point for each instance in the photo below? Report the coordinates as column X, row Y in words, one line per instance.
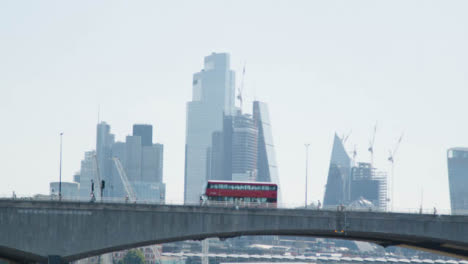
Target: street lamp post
column 60, row 174
column 306, row 172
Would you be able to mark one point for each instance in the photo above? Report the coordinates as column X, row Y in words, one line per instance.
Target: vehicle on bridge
column 240, row 193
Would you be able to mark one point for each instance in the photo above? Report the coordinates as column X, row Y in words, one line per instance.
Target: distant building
column 133, row 160
column 142, row 166
column 244, row 149
column 457, row 162
column 69, row 190
column 104, row 142
column 145, row 132
column 370, row 184
column 337, row 190
column 267, row 168
column 349, row 184
column 87, row 173
column 212, row 97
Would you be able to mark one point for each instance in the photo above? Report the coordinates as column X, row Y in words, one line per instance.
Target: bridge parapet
column 33, row 230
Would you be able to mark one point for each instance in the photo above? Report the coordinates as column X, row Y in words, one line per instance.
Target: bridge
column 60, row 232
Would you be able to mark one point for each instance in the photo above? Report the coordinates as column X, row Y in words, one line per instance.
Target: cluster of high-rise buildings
column 119, row 169
column 360, row 184
column 353, row 184
column 222, row 142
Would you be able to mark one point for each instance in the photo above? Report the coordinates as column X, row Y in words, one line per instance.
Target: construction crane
column 354, row 155
column 371, row 146
column 240, row 90
column 126, row 183
column 391, row 158
column 346, row 137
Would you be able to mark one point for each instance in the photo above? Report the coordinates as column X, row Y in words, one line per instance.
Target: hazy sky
column 322, row 66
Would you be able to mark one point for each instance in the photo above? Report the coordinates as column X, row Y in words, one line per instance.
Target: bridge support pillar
column 54, row 259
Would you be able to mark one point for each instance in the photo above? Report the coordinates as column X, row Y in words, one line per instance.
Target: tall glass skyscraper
column 457, row 162
column 266, row 157
column 244, row 149
column 212, row 97
column 337, row 190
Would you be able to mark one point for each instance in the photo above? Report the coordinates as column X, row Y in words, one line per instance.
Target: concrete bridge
column 59, row 232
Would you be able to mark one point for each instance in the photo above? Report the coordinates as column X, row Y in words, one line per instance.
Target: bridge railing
column 436, row 211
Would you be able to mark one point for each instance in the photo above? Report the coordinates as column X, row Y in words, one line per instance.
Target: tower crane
column 371, row 146
column 240, row 90
column 391, row 158
column 345, row 137
column 126, row 183
column 354, row 155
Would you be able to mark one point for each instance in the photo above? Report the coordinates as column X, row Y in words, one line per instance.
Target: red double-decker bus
column 258, row 194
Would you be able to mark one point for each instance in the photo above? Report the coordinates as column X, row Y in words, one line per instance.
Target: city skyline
column 322, row 67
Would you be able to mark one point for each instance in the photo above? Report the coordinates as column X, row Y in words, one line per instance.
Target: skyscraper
column 142, row 165
column 457, row 162
column 347, row 184
column 370, row 184
column 244, row 149
column 212, row 97
column 337, row 190
column 133, row 157
column 104, row 141
column 267, row 169
column 145, row 132
column 87, row 173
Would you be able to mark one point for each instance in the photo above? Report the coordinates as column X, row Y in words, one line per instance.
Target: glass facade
column 141, row 166
column 267, row 168
column 212, row 97
column 145, row 132
column 457, row 162
column 337, row 190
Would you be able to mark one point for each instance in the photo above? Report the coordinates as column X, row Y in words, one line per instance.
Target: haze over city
column 322, row 67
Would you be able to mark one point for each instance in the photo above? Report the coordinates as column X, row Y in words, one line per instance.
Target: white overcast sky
column 322, row 66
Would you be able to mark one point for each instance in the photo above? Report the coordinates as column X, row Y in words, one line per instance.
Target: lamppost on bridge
column 60, row 174
column 306, row 171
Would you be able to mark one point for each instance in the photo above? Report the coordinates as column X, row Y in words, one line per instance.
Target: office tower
column 142, row 166
column 87, row 173
column 244, row 148
column 152, row 163
column 133, row 157
column 370, row 184
column 145, row 132
column 267, row 169
column 104, row 141
column 212, row 97
column 338, row 188
column 457, row 162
